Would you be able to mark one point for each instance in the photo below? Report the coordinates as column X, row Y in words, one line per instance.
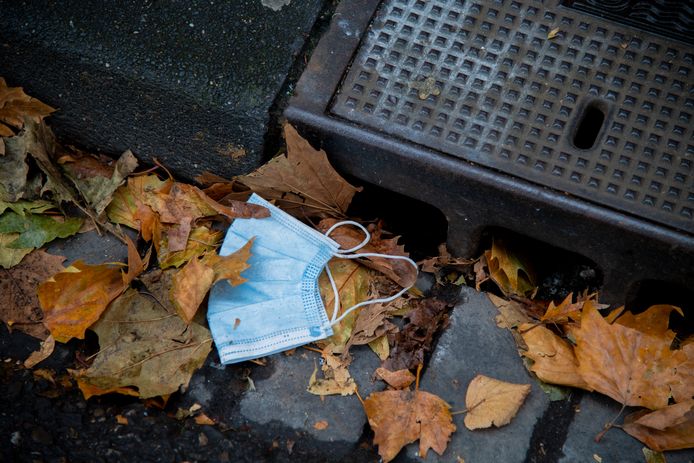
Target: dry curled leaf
column 15, row 106
column 400, row 379
column 303, row 182
column 401, row 417
column 492, row 402
column 669, row 428
column 336, row 378
column 553, row 358
column 509, row 269
column 45, row 351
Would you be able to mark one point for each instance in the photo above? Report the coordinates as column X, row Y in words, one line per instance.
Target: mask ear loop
column 344, row 254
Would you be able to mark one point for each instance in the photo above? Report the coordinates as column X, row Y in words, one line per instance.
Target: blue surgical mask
column 279, row 307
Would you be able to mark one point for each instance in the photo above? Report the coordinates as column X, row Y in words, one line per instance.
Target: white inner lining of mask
column 344, row 254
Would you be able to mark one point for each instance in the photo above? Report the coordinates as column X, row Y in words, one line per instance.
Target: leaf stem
column 419, row 370
column 609, row 425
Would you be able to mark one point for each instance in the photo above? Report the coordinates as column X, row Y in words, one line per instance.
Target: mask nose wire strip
column 343, row 254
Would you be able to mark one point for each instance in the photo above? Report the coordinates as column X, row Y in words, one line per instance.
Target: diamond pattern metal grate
column 505, row 83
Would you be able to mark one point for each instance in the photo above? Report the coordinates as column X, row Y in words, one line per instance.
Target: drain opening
column 589, row 126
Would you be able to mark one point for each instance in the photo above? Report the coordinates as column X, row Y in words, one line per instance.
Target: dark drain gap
column 589, row 127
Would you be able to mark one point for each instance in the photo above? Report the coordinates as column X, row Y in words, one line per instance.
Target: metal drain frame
column 626, row 248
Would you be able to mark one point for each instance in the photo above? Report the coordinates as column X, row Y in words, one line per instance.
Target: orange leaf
column 230, row 267
column 632, row 367
column 190, row 285
column 565, row 311
column 320, row 425
column 669, row 428
column 89, row 390
column 492, row 402
column 120, row 419
column 72, row 300
column 683, row 386
column 401, row 417
column 508, row 269
column 15, row 105
column 653, row 321
column 554, row 359
column 203, row 419
column 128, row 204
column 399, row 379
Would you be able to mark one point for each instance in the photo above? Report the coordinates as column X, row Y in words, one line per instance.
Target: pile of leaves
column 149, row 314
column 636, row 359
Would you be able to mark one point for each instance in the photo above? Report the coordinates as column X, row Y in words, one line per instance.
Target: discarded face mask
column 279, row 307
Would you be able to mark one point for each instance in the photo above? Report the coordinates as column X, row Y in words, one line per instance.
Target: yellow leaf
column 492, row 402
column 380, row 347
column 508, row 269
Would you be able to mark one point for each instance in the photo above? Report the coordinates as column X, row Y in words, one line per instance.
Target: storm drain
column 567, row 121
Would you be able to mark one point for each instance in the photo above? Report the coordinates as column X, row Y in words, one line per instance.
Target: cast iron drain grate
column 570, row 102
column 669, row 18
column 523, row 115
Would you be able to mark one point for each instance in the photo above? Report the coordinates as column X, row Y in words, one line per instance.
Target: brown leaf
column 303, row 182
column 193, row 281
column 654, row 321
column 371, row 323
column 142, row 346
column 120, row 419
column 320, row 425
column 512, row 314
column 509, row 270
column 669, row 428
column 128, row 205
column 19, row 303
column 632, row 367
column 492, row 402
column 336, row 378
column 203, row 420
column 347, row 237
column 444, row 259
column 401, row 417
column 682, row 387
column 47, row 347
column 200, row 241
column 400, row 379
column 409, row 346
column 15, row 106
column 554, row 359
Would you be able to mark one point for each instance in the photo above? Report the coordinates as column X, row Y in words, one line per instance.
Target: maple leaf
column 409, row 345
column 682, row 387
column 553, row 358
column 400, row 271
column 352, row 282
column 128, row 204
column 73, row 299
column 303, row 182
column 15, row 106
column 508, row 269
column 19, row 303
column 35, row 230
column 669, row 428
column 145, row 348
column 492, row 402
column 512, row 314
column 401, row 417
column 654, row 320
column 633, row 367
column 336, row 378
column 193, row 281
column 95, row 178
column 400, row 379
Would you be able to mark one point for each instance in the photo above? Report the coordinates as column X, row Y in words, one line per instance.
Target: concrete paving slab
column 191, row 83
column 282, row 398
column 472, row 345
column 616, row 446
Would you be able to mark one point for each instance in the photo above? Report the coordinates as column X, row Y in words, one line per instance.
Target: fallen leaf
column 144, row 347
column 444, row 259
column 10, row 257
column 410, row 345
column 45, row 351
column 193, row 281
column 43, row 373
column 371, row 324
column 400, row 379
column 669, row 428
column 553, row 33
column 653, row 457
column 303, row 182
column 35, row 230
column 654, row 320
column 203, row 420
column 508, row 269
column 158, row 283
column 401, row 417
column 512, row 314
column 492, row 402
column 200, row 241
column 565, row 311
column 553, row 358
column 21, row 207
column 19, row 303
column 15, row 106
column 380, row 347
column 320, row 425
column 632, row 367
column 95, row 179
column 73, row 299
column 120, row 419
column 128, row 204
column 336, row 380
column 89, row 390
column 682, row 387
column 400, row 271
column 352, row 281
